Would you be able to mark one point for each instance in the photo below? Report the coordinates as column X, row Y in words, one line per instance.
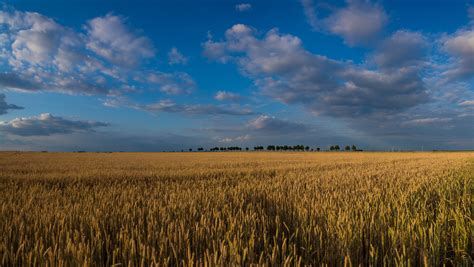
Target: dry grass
column 236, row 209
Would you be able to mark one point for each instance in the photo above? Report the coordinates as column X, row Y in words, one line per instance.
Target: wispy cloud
column 424, row 121
column 169, row 106
column 227, row 96
column 235, row 139
column 243, row 7
column 270, row 124
column 175, row 57
column 172, row 83
column 467, row 103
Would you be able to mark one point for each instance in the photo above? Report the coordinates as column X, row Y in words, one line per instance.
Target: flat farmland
column 236, row 208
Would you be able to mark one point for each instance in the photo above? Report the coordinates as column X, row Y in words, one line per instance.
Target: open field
column 236, row 208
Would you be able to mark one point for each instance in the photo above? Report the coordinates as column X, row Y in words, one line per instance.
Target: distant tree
column 298, row 148
column 200, row 149
column 190, row 150
column 306, row 148
column 337, row 148
column 246, row 149
column 332, row 148
column 318, row 149
column 347, row 148
column 354, row 148
column 271, row 148
column 234, row 148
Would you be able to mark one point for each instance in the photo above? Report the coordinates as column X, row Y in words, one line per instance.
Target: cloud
column 460, row 46
column 243, row 7
column 241, row 138
column 112, row 39
column 284, row 70
column 227, row 96
column 14, row 81
column 196, row 109
column 105, row 57
column 424, row 121
column 49, row 56
column 270, row 124
column 173, row 83
column 467, row 103
column 4, row 106
column 170, row 106
column 175, row 57
column 310, row 13
column 35, row 38
column 402, row 49
column 359, row 22
column 47, row 124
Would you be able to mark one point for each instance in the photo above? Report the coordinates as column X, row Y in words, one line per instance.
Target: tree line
column 279, row 148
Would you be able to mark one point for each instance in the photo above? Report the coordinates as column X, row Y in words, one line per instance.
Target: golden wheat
column 207, row 209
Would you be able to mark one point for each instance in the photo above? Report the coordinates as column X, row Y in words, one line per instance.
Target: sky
column 171, row 75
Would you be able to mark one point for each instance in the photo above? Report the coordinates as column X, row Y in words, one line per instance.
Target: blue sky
column 171, row 75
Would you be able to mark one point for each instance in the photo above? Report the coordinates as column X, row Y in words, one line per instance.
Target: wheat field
column 232, row 209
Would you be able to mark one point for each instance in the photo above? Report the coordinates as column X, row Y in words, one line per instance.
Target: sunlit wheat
column 141, row 209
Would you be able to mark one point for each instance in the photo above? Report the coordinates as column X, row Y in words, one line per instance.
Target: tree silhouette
column 279, row 148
